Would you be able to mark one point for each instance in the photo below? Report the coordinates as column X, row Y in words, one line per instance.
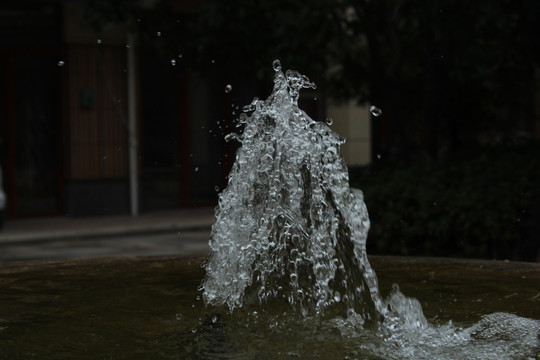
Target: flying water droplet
column 248, row 108
column 243, row 118
column 60, row 63
column 178, row 316
column 98, row 41
column 196, row 169
column 252, row 106
column 329, row 121
column 276, row 64
column 228, row 88
column 375, row 111
column 232, row 136
column 158, row 33
column 173, row 62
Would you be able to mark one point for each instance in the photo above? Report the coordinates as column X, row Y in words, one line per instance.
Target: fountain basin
column 149, row 307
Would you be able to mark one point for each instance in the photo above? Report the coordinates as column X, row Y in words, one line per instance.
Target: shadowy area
column 483, row 203
column 447, row 76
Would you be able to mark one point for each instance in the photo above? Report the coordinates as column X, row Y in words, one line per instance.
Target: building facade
column 64, row 131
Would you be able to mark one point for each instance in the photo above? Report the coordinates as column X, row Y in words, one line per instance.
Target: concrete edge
column 81, row 234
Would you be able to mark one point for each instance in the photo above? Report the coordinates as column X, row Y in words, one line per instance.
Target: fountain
column 291, row 235
column 287, row 226
column 288, row 275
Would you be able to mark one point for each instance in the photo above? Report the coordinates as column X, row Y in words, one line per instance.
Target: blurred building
column 65, row 122
column 64, row 119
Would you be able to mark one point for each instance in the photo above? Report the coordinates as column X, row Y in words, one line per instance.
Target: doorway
column 30, row 38
column 30, row 141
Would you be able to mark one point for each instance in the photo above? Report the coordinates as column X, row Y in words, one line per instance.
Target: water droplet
column 243, row 118
column 98, row 41
column 375, row 111
column 213, row 61
column 178, row 316
column 60, row 63
column 232, row 136
column 252, row 106
column 180, row 56
column 158, row 33
column 248, row 108
column 216, row 188
column 214, row 319
column 196, row 169
column 276, row 64
column 228, row 88
column 329, row 121
column 379, row 156
column 173, row 62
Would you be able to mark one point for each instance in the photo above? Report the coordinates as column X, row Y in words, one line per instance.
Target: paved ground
column 178, row 232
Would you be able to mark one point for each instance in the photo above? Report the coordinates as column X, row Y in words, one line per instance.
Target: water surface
column 150, row 308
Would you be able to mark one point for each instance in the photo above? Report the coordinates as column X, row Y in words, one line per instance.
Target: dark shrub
column 478, row 205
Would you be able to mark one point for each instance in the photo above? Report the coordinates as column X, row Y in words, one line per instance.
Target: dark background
column 454, row 170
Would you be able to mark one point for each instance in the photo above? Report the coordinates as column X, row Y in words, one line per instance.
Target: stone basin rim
column 501, row 265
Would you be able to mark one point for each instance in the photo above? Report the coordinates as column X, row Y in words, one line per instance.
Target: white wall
column 352, row 122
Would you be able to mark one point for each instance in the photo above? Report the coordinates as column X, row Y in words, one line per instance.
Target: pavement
column 175, row 232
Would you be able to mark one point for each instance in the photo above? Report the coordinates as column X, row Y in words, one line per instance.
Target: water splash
column 288, row 226
column 290, row 231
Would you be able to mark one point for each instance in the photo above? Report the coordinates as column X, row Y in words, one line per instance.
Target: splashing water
column 288, row 227
column 290, row 230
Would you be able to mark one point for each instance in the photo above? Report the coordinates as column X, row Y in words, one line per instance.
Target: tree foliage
column 482, row 205
column 443, row 72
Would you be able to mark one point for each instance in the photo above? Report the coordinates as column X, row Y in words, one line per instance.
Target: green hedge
column 468, row 206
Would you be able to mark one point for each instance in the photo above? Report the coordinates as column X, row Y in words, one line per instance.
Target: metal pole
column 132, row 124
